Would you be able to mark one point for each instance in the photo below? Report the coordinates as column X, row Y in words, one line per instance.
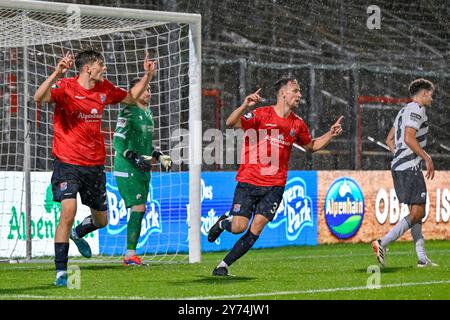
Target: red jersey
column 78, row 118
column 267, row 148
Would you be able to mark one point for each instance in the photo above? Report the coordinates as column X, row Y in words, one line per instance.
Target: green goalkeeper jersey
column 134, row 131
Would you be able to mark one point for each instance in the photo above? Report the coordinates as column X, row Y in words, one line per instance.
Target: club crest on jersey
column 121, row 122
column 292, row 133
column 236, row 207
column 63, row 186
column 249, row 115
column 103, row 97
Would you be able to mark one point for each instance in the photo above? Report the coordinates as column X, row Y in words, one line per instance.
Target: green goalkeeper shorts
column 133, row 187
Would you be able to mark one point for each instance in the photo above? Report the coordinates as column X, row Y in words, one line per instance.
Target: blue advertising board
column 165, row 224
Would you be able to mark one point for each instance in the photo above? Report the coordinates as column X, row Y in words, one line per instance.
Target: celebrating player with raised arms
column 78, row 145
column 270, row 133
column 132, row 165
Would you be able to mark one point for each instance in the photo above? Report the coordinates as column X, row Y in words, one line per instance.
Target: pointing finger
column 339, row 120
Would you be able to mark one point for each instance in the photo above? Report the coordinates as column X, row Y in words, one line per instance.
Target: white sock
column 401, row 227
column 222, row 264
column 130, row 253
column 416, row 232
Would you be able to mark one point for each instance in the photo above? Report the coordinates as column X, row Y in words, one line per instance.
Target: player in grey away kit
column 406, row 140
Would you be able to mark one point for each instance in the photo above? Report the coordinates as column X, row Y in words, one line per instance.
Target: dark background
column 336, row 58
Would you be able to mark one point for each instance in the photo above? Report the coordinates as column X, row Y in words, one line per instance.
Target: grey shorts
column 410, row 186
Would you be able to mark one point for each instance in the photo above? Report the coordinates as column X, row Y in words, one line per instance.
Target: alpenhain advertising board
column 360, row 206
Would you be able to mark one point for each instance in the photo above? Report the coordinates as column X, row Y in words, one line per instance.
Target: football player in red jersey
column 269, row 135
column 78, row 145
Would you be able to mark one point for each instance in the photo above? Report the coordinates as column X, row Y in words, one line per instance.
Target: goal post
column 33, row 37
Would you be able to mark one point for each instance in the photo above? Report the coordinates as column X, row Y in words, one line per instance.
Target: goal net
column 33, row 37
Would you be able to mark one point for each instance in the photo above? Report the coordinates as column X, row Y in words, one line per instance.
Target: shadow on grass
column 96, row 267
column 118, row 266
column 216, row 279
column 26, row 290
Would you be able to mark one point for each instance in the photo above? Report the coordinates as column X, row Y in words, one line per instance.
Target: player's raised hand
column 336, row 128
column 65, row 63
column 149, row 65
column 253, row 98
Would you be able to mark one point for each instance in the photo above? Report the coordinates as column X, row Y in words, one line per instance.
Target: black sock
column 226, row 225
column 85, row 227
column 241, row 247
column 61, row 255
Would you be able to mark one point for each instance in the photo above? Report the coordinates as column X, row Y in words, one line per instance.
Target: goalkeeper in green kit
column 132, row 165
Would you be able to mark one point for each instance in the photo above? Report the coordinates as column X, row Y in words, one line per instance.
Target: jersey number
column 399, row 129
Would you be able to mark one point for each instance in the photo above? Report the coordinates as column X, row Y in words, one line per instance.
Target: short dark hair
column 282, row 82
column 420, row 84
column 134, row 82
column 87, row 56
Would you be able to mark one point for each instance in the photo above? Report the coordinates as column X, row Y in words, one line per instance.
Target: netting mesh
column 27, row 57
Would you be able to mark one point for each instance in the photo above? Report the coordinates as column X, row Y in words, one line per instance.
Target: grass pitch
column 289, row 273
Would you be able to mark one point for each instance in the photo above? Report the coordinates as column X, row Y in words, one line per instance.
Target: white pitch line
column 280, row 293
column 349, row 255
column 237, row 296
column 30, row 265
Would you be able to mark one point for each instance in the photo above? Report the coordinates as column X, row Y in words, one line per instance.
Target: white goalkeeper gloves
column 143, row 162
column 165, row 161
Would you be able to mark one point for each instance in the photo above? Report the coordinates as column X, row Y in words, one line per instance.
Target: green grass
column 322, row 272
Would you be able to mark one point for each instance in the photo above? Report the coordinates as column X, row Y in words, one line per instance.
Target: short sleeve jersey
column 77, row 137
column 267, row 146
column 413, row 116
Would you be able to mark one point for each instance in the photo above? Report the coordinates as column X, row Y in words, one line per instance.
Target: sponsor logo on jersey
column 249, row 115
column 93, row 117
column 295, row 210
column 344, row 208
column 271, row 125
column 277, row 140
column 80, row 97
column 415, row 116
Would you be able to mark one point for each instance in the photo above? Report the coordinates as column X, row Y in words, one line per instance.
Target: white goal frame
column 195, row 127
